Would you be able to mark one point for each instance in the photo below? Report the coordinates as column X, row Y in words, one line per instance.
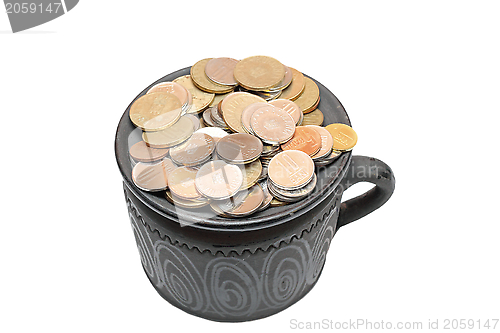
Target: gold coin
column 344, row 137
column 276, row 203
column 309, row 96
column 287, row 79
column 259, row 72
column 294, row 89
column 201, row 80
column 232, row 107
column 313, row 118
column 218, row 98
column 251, row 174
column 156, row 111
column 173, row 88
column 312, row 108
column 181, row 183
column 171, row 136
column 185, row 203
column 201, row 99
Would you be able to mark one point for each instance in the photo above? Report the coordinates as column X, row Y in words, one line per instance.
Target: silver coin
column 292, row 195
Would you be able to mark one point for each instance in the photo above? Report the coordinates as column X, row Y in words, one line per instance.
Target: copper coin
column 344, row 137
column 259, row 72
column 309, row 97
column 232, row 107
column 220, row 70
column 239, row 148
column 305, row 139
column 201, row 80
column 197, row 149
column 181, row 182
column 230, row 204
column 251, row 174
column 171, row 136
column 200, row 99
column 315, row 117
column 185, row 203
column 152, row 177
column 195, row 120
column 215, row 132
column 251, row 203
column 286, row 80
column 219, row 180
column 290, row 107
column 247, row 113
column 142, row 153
column 171, row 87
column 272, row 125
column 296, row 87
column 326, row 142
column 155, row 111
column 291, row 169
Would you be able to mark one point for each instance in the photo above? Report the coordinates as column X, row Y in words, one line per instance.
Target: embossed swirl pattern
column 230, row 287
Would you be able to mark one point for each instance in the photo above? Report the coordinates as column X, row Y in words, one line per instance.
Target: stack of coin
column 239, row 136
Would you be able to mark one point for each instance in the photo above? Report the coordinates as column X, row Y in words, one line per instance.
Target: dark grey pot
column 239, row 270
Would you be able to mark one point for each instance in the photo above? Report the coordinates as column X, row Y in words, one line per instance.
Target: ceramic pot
column 245, row 269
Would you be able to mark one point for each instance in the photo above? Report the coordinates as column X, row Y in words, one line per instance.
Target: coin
column 250, row 204
column 171, row 136
column 239, row 148
column 290, row 107
column 201, row 80
column 207, row 117
column 220, row 70
column 312, row 108
column 181, row 182
column 326, row 142
column 276, row 203
column 196, row 150
column 305, row 139
column 185, row 203
column 152, row 177
column 142, row 153
column 232, row 107
column 287, row 79
column 296, row 87
column 218, row 98
column 293, row 195
column 195, row 120
column 270, row 149
column 334, row 155
column 201, row 99
column 315, row 117
column 272, row 125
column 216, row 209
column 247, row 113
column 259, row 72
column 218, row 180
column 266, row 95
column 215, row 132
column 291, row 169
column 344, row 137
column 267, row 196
column 155, row 111
column 174, row 88
column 309, row 96
column 217, row 118
column 251, row 174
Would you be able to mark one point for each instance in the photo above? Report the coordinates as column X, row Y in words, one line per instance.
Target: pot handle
column 366, row 169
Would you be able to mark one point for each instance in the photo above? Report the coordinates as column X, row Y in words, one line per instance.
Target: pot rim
column 216, row 223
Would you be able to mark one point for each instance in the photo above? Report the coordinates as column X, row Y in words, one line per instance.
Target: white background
column 419, row 80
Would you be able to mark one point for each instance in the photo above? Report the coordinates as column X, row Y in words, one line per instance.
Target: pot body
column 234, row 286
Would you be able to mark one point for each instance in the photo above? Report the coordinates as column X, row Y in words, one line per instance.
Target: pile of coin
column 239, row 136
